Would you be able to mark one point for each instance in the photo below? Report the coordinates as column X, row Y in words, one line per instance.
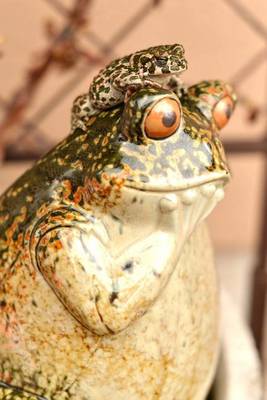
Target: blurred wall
column 218, row 44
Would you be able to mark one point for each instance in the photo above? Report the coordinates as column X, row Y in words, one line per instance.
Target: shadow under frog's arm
column 103, row 292
column 123, row 81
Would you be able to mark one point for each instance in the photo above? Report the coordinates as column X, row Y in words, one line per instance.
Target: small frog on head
column 157, row 67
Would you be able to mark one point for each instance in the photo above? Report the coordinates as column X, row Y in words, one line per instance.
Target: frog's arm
column 82, row 111
column 105, row 293
column 9, row 393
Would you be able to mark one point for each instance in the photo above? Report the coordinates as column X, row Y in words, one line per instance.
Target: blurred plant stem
column 63, row 52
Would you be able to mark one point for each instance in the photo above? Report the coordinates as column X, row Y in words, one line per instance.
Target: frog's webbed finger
column 9, row 393
column 71, row 259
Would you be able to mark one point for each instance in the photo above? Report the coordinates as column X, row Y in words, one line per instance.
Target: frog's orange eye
column 163, row 119
column 223, row 111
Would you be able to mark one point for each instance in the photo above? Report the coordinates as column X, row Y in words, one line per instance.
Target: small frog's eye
column 161, row 61
column 163, row 119
column 223, row 111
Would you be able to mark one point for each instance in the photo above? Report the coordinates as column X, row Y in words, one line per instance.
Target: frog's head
column 161, row 143
column 158, row 60
column 172, row 144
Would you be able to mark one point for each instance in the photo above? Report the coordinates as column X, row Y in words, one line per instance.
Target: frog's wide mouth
column 165, row 185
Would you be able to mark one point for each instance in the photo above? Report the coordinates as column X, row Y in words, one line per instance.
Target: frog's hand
column 175, row 84
column 103, row 291
column 81, row 112
column 9, row 393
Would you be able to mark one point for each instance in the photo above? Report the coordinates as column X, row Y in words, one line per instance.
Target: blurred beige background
column 218, row 44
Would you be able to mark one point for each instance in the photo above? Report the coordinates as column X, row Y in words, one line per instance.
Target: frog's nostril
column 161, row 61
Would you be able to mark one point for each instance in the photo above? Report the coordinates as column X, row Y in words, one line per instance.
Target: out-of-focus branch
column 1, row 42
column 63, row 51
column 253, row 111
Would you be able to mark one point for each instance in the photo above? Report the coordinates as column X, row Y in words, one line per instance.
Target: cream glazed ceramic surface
column 107, row 283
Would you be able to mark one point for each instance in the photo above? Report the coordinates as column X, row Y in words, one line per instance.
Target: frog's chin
column 197, row 202
column 163, row 78
column 194, row 200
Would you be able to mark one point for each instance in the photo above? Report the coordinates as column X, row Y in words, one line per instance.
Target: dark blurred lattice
column 63, row 51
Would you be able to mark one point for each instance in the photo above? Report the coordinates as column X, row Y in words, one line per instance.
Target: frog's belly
column 170, row 353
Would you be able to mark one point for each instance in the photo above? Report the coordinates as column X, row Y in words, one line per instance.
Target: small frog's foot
column 129, row 92
column 131, row 89
column 175, row 85
column 153, row 84
column 82, row 110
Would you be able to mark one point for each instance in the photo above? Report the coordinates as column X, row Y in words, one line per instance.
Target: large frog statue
column 107, row 284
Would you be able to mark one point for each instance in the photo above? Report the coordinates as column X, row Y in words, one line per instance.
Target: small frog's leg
column 9, row 393
column 125, row 79
column 82, row 110
column 131, row 82
column 129, row 78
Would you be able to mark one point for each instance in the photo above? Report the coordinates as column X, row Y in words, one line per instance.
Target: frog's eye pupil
column 223, row 111
column 228, row 111
column 163, row 119
column 169, row 118
column 161, row 61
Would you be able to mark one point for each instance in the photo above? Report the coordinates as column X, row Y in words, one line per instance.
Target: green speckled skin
column 83, row 173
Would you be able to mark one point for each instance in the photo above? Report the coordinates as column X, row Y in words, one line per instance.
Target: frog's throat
column 163, row 79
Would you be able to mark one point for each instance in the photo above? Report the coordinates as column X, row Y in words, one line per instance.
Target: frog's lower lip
column 182, row 185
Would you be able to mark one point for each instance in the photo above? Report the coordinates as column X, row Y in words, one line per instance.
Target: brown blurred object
column 1, row 42
column 63, row 52
column 253, row 111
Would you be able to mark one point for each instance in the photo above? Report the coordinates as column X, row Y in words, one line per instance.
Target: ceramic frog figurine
column 158, row 66
column 107, row 285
